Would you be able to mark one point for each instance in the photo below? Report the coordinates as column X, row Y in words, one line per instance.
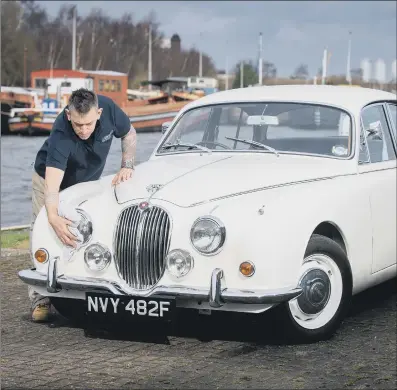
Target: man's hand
column 53, row 179
column 60, row 226
column 123, row 175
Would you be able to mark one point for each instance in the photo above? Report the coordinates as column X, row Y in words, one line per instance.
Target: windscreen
column 285, row 127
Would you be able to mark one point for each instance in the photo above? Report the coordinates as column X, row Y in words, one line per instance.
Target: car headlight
column 208, row 235
column 179, row 262
column 85, row 226
column 97, row 257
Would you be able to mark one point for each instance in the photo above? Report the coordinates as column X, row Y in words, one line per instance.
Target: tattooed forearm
column 51, row 197
column 128, row 149
column 51, row 200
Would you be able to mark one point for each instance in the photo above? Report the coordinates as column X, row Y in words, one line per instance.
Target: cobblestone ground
column 361, row 355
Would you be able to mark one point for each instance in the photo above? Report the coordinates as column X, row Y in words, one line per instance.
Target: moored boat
column 147, row 110
column 16, row 98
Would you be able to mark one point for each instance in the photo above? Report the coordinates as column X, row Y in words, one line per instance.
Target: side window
column 393, row 112
column 377, row 134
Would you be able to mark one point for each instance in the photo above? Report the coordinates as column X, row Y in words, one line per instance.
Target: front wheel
column 325, row 279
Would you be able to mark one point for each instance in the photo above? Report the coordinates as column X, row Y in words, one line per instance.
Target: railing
column 18, row 227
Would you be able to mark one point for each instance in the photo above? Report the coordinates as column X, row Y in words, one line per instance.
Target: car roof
column 351, row 98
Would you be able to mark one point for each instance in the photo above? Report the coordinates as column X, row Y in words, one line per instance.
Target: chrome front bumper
column 216, row 296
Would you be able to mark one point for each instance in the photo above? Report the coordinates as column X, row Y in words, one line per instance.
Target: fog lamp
column 179, row 262
column 247, row 268
column 97, row 257
column 41, row 255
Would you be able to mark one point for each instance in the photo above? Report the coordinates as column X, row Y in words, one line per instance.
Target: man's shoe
column 41, row 312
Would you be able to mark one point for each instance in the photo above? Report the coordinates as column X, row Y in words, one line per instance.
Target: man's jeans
column 38, row 184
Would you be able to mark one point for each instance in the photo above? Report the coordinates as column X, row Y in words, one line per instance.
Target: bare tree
column 269, row 70
column 102, row 43
column 301, row 72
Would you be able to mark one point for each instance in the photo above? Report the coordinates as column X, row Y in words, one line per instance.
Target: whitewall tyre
column 325, row 278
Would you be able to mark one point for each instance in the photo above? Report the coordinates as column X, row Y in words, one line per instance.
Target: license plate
column 129, row 307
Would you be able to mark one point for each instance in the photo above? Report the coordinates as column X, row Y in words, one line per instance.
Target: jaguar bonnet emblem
column 143, row 206
column 153, row 188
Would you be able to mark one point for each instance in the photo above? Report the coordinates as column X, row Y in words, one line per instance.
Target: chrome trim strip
column 274, row 296
column 369, row 168
column 137, row 237
column 260, row 296
column 249, row 151
column 270, row 188
column 259, row 189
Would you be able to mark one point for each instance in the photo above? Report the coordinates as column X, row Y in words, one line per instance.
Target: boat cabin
column 59, row 83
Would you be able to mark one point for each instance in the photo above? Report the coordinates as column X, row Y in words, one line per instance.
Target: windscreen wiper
column 245, row 141
column 186, row 145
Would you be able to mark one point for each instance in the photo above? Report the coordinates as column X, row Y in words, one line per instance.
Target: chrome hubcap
column 316, row 288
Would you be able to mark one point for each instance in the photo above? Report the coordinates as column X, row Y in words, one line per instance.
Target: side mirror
column 165, row 126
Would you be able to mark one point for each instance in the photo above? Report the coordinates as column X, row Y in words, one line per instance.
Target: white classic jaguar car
column 267, row 197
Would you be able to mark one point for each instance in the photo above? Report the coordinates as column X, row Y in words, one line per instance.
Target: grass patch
column 15, row 239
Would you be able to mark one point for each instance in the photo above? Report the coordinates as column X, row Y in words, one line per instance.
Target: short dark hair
column 82, row 100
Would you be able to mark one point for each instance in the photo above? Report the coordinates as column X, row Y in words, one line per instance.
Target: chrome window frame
column 387, row 115
column 353, row 130
column 392, row 121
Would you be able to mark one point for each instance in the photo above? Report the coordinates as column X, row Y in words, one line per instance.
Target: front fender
column 272, row 228
column 101, row 203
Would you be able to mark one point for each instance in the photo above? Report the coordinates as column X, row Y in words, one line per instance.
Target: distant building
column 176, row 43
column 175, row 52
column 222, row 77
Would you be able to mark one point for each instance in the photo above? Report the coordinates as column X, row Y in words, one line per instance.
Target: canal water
column 17, row 155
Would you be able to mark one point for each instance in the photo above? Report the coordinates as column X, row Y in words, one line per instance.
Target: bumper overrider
column 216, row 296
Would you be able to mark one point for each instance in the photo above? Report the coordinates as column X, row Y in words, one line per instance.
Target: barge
column 146, row 109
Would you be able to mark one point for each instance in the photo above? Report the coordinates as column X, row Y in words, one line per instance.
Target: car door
column 377, row 171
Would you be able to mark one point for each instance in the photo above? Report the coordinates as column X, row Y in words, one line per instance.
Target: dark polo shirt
column 82, row 160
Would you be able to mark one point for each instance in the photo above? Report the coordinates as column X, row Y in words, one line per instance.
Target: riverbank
column 15, row 239
column 46, row 133
column 19, row 153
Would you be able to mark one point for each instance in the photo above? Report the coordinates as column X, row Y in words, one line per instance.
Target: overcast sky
column 293, row 32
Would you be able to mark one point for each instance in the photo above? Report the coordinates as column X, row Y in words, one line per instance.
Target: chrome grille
column 140, row 245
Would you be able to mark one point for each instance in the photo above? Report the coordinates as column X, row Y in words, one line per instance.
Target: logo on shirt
column 107, row 137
